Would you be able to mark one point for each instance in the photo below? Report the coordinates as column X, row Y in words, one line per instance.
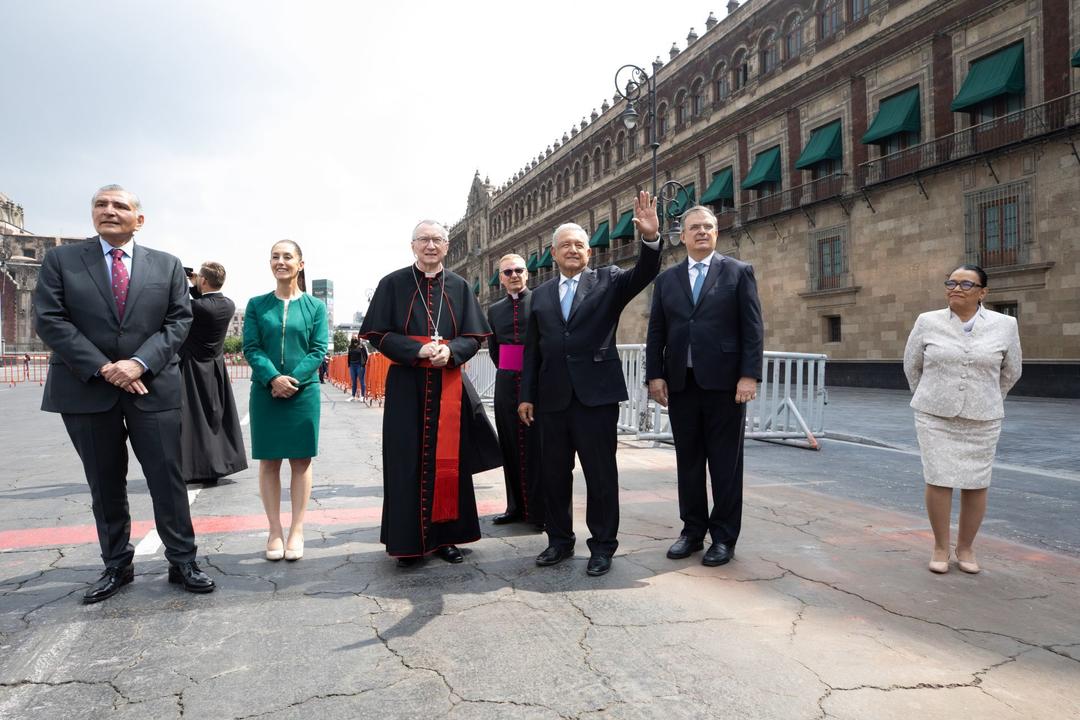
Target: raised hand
column 645, row 219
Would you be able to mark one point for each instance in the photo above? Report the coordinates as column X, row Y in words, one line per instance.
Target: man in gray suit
column 114, row 315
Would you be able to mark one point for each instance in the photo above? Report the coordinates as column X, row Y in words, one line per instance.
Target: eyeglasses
column 510, row 272
column 437, row 241
column 963, row 284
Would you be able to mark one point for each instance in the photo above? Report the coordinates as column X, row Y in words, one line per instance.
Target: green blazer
column 276, row 344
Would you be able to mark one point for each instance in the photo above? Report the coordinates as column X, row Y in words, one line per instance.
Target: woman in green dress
column 285, row 339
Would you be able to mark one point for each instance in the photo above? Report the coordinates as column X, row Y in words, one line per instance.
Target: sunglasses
column 511, row 272
column 963, row 284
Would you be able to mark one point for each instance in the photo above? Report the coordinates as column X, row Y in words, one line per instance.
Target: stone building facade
column 20, row 260
column 856, row 152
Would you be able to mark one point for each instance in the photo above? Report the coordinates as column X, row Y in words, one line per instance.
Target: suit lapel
column 141, row 267
column 585, row 283
column 94, row 260
column 683, row 280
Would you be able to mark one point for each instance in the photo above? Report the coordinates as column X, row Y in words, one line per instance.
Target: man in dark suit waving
column 703, row 360
column 570, row 353
column 114, row 315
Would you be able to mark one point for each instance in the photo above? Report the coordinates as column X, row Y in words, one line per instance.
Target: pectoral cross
column 436, row 337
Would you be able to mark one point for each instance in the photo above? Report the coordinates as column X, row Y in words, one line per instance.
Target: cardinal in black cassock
column 212, row 445
column 435, row 431
column 509, row 319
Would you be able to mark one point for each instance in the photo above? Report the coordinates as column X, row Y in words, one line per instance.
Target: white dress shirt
column 128, row 248
column 693, row 272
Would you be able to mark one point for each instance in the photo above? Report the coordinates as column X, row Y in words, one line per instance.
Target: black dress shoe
column 110, row 583
column 450, row 554
column 718, row 554
column 505, row 519
column 407, row 562
column 191, row 577
column 554, row 555
column 598, row 565
column 684, row 547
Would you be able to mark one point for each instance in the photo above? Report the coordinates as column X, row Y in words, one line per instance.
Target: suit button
column 566, row 334
column 567, row 356
column 691, row 321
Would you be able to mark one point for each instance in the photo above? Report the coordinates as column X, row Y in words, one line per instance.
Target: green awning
column 625, row 227
column 721, row 188
column 494, row 281
column 683, row 201
column 1076, row 59
column 476, row 288
column 545, row 259
column 992, row 76
column 531, row 265
column 600, row 238
column 896, row 114
column 825, row 144
column 766, row 169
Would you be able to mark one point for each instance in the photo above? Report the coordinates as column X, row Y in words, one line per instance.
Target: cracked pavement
column 828, row 610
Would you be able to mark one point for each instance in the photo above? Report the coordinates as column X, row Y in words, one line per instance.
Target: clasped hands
column 745, row 390
column 284, row 387
column 439, row 355
column 125, row 375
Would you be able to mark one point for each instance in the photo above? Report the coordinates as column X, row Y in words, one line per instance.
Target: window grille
column 997, row 225
column 828, row 259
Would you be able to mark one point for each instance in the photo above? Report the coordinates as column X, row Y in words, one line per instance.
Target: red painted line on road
column 204, row 525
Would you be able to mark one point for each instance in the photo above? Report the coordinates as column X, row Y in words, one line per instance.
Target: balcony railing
column 793, row 198
column 1026, row 124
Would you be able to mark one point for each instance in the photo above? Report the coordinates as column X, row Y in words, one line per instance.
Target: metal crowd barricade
column 17, row 368
column 790, row 404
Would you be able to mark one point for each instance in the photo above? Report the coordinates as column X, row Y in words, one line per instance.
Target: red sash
column 444, row 507
column 511, row 357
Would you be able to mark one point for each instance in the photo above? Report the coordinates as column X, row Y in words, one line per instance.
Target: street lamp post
column 635, row 86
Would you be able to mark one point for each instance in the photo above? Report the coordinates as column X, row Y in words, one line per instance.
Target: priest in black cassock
column 509, row 318
column 212, row 445
column 427, row 321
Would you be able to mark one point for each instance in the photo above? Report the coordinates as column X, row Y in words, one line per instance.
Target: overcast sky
column 336, row 124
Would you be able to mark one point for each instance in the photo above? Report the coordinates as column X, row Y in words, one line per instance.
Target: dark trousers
column 101, row 441
column 591, row 433
column 356, row 372
column 708, row 426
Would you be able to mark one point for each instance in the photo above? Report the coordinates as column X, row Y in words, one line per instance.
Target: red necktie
column 119, row 280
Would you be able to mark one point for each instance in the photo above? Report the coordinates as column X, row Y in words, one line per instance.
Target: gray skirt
column 956, row 452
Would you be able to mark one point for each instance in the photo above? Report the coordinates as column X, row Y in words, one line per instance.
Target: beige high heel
column 295, row 553
column 968, row 566
column 939, row 567
column 275, row 553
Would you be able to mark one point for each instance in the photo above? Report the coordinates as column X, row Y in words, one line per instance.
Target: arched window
column 585, row 170
column 792, row 37
column 721, row 87
column 740, row 71
column 607, row 155
column 769, row 52
column 550, row 191
column 828, row 19
column 631, row 143
column 697, row 98
column 619, row 149
column 661, row 120
column 860, row 9
column 596, row 163
column 681, row 114
column 577, row 175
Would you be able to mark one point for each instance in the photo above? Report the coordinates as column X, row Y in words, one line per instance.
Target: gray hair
column 117, row 188
column 568, row 226
column 435, row 224
column 698, row 209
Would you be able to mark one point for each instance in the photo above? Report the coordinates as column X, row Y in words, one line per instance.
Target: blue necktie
column 698, row 281
column 568, row 298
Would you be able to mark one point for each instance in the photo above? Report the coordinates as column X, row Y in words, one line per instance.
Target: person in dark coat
column 426, row 320
column 703, row 361
column 115, row 313
column 211, row 443
column 520, row 444
column 570, row 352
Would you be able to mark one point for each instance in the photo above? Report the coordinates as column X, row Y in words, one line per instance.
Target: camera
column 188, row 272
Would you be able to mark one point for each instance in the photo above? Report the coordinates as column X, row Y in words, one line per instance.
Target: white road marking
column 150, row 544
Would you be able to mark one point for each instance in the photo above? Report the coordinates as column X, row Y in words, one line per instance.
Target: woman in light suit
column 960, row 362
